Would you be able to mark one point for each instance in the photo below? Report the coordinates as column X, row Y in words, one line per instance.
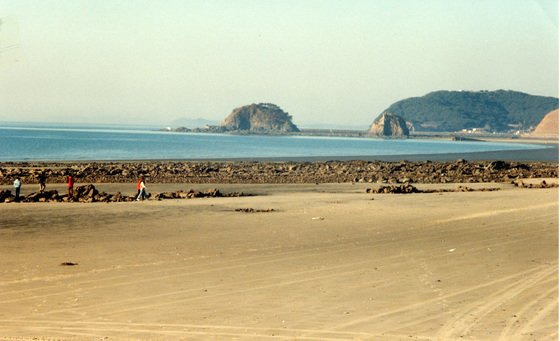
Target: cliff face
column 260, row 118
column 389, row 125
column 548, row 126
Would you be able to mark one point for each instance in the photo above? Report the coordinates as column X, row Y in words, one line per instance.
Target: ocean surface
column 28, row 142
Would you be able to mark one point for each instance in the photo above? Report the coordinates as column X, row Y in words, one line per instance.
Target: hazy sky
column 322, row 61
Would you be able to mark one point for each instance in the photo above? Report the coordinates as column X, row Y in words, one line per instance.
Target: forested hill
column 456, row 110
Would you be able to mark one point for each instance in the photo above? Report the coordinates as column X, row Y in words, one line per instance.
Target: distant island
column 261, row 118
column 441, row 112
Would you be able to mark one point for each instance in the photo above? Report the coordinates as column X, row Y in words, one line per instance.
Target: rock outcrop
column 408, row 188
column 548, row 126
column 260, row 118
column 389, row 125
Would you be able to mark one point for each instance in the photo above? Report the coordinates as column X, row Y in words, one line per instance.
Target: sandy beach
column 331, row 262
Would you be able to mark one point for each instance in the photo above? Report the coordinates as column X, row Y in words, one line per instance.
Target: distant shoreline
column 549, row 154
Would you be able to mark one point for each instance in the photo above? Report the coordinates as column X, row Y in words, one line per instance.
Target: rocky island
column 261, row 118
column 389, row 125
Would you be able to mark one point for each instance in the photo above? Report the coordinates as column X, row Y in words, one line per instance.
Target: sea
column 57, row 142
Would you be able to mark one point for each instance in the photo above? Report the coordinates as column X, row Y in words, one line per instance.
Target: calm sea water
column 80, row 143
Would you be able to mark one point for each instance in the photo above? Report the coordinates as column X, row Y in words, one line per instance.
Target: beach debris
column 318, row 218
column 451, row 250
column 68, row 264
column 253, row 210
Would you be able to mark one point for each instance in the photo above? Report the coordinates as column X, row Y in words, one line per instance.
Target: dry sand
column 329, row 264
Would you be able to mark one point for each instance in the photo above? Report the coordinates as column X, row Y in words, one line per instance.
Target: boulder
column 497, row 165
column 5, row 195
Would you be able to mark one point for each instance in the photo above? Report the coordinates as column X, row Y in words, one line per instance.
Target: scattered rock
column 210, row 193
column 252, row 210
column 542, row 184
column 407, row 189
column 400, row 189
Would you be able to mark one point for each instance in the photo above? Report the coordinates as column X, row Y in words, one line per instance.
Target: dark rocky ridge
column 279, row 172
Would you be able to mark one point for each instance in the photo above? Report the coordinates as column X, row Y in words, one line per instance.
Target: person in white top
column 142, row 194
column 17, row 187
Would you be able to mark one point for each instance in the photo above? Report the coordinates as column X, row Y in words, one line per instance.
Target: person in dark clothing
column 42, row 182
column 17, row 187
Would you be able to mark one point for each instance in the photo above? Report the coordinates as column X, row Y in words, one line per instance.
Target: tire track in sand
column 298, row 254
column 289, row 275
column 528, row 327
column 63, row 326
column 519, row 276
column 470, row 316
column 507, row 333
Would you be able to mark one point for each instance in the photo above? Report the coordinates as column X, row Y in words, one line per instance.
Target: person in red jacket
column 142, row 195
column 70, row 184
column 138, row 187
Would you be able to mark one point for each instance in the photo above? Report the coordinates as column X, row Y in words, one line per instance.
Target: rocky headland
column 498, row 111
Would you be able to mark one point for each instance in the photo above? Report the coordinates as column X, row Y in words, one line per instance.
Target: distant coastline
column 321, row 132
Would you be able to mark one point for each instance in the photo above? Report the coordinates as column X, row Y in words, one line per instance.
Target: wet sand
column 328, row 263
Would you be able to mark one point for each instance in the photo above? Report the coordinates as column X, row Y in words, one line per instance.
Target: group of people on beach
column 42, row 179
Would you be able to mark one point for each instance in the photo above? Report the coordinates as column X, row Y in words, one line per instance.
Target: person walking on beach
column 70, row 184
column 17, row 187
column 142, row 194
column 138, row 186
column 42, row 182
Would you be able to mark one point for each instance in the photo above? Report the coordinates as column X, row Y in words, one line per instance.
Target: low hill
column 259, row 118
column 455, row 110
column 548, row 126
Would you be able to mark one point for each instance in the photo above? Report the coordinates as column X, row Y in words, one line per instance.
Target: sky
column 338, row 62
